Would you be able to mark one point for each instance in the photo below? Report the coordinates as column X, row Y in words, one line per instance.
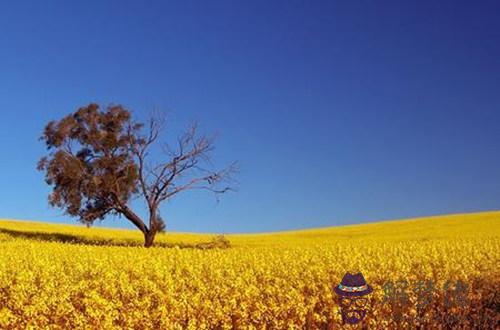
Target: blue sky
column 338, row 112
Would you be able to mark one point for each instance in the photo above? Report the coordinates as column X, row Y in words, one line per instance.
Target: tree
column 99, row 161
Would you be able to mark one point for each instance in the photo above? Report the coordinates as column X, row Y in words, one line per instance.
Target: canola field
column 71, row 277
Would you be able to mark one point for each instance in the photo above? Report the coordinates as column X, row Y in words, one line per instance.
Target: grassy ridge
column 469, row 225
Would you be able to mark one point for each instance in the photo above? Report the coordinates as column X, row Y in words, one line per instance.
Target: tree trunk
column 149, row 235
column 149, row 238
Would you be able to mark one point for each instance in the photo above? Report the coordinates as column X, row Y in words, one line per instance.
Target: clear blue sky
column 338, row 112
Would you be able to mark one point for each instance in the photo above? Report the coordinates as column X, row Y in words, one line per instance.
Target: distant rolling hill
column 484, row 224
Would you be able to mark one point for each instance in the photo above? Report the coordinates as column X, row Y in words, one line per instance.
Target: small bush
column 218, row 242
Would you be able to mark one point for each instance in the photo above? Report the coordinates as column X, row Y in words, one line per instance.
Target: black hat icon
column 353, row 285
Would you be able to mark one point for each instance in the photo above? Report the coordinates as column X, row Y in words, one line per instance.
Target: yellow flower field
column 72, row 277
